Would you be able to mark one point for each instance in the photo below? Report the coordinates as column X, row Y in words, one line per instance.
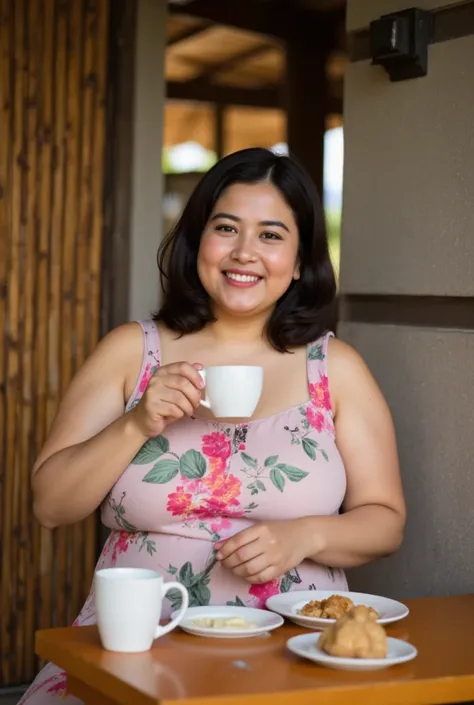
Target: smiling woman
column 223, row 229
column 236, row 511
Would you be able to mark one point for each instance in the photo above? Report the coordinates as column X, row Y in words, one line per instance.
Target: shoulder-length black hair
column 301, row 315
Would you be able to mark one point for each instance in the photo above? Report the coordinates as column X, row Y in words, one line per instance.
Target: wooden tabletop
column 188, row 670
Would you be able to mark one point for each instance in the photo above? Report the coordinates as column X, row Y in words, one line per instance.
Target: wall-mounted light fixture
column 399, row 42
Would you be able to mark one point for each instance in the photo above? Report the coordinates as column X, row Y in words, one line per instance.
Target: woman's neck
column 239, row 329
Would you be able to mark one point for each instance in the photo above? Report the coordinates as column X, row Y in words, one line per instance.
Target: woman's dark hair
column 301, row 315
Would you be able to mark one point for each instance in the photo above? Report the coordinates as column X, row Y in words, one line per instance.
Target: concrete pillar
column 147, row 181
column 407, row 288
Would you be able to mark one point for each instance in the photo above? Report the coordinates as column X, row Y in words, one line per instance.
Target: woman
column 235, row 511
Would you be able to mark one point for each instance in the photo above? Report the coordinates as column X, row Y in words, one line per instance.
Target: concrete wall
column 147, row 179
column 408, row 231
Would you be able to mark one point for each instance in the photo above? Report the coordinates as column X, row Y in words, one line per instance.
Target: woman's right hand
column 174, row 391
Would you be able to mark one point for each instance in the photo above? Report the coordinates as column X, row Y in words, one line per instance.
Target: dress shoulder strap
column 150, row 362
column 317, row 358
column 318, row 374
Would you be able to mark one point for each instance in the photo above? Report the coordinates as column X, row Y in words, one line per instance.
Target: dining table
column 183, row 669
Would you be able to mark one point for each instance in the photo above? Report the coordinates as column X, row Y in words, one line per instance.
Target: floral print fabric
column 202, row 481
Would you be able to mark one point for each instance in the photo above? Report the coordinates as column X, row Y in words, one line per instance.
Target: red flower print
column 121, row 544
column 316, row 418
column 221, row 524
column 59, row 688
column 263, row 591
column 216, row 445
column 147, row 375
column 180, row 502
column 319, row 393
column 224, row 491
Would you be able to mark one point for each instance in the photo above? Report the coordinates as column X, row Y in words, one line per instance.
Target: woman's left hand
column 264, row 551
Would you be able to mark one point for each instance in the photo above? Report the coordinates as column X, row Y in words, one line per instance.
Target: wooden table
column 187, row 670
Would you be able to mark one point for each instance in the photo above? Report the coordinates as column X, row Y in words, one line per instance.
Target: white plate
column 289, row 603
column 306, row 645
column 265, row 621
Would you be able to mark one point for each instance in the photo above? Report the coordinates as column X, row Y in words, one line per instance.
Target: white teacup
column 232, row 391
column 128, row 605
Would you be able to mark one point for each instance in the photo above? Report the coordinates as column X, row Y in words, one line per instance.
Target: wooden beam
column 188, row 33
column 275, row 20
column 202, row 90
column 227, row 64
column 267, row 97
column 248, row 15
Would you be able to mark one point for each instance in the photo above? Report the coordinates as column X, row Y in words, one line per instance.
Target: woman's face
column 248, row 253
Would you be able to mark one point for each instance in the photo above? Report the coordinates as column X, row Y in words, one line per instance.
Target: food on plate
column 333, row 607
column 355, row 635
column 223, row 623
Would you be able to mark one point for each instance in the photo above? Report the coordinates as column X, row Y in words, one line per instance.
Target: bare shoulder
column 118, row 355
column 349, row 376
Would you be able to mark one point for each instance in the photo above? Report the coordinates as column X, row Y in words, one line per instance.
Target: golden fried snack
column 337, row 606
column 333, row 607
column 355, row 635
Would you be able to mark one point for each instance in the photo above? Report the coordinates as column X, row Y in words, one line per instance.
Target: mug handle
column 160, row 630
column 204, row 402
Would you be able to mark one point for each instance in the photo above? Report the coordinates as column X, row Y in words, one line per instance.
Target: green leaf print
column 277, row 478
column 151, row 450
column 199, row 595
column 186, row 574
column 235, row 603
column 192, row 465
column 162, row 472
column 285, row 583
column 172, row 570
column 271, row 460
column 316, row 352
column 261, row 486
column 252, row 462
column 309, row 448
column 324, row 454
column 292, row 473
column 175, row 597
column 126, row 525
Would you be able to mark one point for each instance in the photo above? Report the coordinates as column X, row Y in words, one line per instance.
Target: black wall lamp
column 399, row 42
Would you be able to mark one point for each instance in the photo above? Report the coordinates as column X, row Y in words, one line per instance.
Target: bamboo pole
column 13, row 401
column 79, row 572
column 42, row 538
column 97, row 223
column 26, row 586
column 56, row 557
column 6, row 42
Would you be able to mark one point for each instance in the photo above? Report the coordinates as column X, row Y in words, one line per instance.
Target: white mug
column 232, row 391
column 128, row 607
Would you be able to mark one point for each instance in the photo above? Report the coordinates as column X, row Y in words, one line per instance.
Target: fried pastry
column 355, row 635
column 332, row 607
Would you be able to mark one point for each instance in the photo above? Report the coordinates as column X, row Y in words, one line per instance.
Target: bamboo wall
column 53, row 61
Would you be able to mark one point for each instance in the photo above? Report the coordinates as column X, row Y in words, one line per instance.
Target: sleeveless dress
column 202, row 481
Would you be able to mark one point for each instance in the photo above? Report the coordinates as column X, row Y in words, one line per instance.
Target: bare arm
column 91, row 442
column 374, row 508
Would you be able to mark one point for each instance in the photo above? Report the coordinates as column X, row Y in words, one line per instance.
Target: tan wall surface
column 147, row 178
column 423, row 376
column 409, row 177
column 408, row 229
column 361, row 12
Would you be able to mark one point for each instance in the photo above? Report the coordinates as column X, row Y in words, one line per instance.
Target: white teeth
column 241, row 277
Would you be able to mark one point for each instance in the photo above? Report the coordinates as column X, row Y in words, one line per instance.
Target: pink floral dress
column 202, row 481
